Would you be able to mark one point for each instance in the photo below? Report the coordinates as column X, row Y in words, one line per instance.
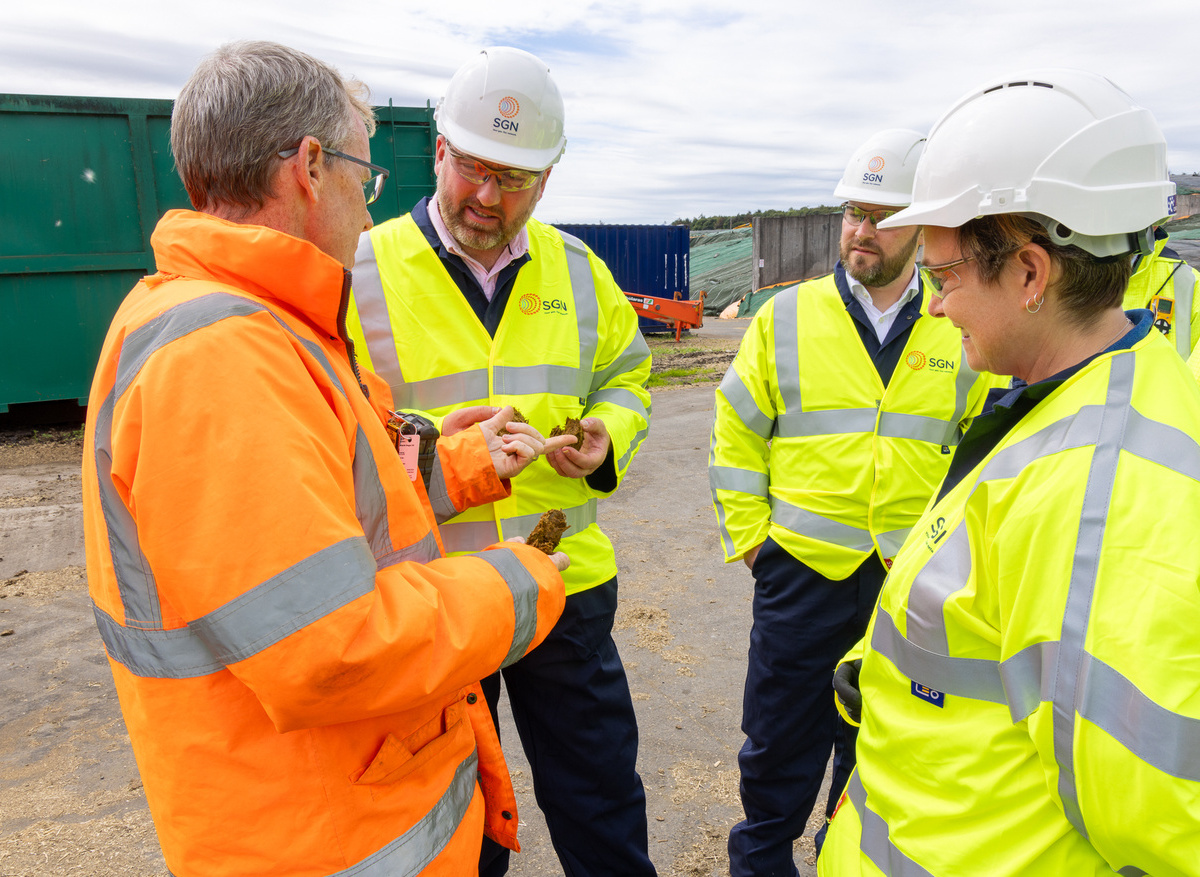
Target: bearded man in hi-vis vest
column 469, row 301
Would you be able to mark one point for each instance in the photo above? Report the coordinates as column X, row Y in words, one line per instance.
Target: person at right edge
column 1166, row 285
column 833, row 427
column 1028, row 683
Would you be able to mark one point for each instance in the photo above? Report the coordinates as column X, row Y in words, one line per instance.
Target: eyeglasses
column 937, row 273
column 372, row 186
column 855, row 217
column 477, row 173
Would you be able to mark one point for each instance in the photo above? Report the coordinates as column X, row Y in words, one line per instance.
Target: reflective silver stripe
column 630, row 358
column 370, row 500
column 822, row 529
column 409, row 854
column 251, row 622
column 1081, row 589
column 288, row 601
column 963, row 382
column 524, row 588
column 439, row 495
column 579, row 518
column 891, row 542
column 1162, row 444
column 1165, row 740
column 423, row 550
column 976, row 678
column 787, row 349
column 945, row 573
column 373, row 313
column 1132, row 871
column 1026, row 675
column 156, row 653
column 799, row 424
column 737, row 394
column 135, row 579
column 618, row 396
column 272, row 609
column 638, row 438
column 444, row 391
column 1185, row 289
column 469, row 535
column 726, row 538
column 741, row 480
column 893, row 424
column 876, row 842
column 536, row 380
column 587, row 308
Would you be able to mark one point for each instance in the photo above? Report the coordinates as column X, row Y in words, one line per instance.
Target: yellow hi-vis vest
column 808, row 446
column 1168, row 288
column 568, row 345
column 1031, row 676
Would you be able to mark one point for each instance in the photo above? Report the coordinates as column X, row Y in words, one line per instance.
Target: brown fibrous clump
column 548, row 531
column 571, row 427
column 517, row 417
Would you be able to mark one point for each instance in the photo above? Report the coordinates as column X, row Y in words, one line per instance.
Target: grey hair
column 246, row 102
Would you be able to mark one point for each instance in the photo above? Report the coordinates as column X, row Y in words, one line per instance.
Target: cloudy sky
column 673, row 109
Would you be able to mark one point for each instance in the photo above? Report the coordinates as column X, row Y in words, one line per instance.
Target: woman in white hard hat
column 1030, row 681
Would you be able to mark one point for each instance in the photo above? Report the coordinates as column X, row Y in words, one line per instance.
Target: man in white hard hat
column 467, row 301
column 833, row 427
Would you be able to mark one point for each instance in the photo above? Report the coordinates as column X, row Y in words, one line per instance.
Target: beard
column 881, row 269
column 472, row 236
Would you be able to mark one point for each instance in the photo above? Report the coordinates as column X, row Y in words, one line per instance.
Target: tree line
column 709, row 223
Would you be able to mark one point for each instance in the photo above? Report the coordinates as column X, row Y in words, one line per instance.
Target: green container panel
column 82, row 183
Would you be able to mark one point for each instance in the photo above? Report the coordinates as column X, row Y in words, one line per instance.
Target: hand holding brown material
column 548, row 531
column 571, row 427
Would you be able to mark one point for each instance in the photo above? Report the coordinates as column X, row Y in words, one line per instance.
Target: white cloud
column 672, row 109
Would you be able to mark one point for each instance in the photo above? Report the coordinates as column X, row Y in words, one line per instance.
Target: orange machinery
column 678, row 312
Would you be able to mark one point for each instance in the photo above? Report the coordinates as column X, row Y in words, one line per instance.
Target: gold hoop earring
column 1035, row 301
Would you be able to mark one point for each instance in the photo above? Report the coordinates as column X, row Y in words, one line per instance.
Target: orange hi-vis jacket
column 295, row 659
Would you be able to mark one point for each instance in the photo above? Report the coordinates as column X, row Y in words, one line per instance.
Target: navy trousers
column 571, row 705
column 803, row 625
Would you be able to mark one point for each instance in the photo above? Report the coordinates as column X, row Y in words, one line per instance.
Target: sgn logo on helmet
column 873, row 176
column 508, row 108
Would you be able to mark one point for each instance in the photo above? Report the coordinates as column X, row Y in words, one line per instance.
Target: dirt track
column 70, row 797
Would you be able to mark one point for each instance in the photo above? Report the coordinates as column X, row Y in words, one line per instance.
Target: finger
column 520, row 539
column 514, row 427
column 523, row 445
column 561, row 561
column 558, row 442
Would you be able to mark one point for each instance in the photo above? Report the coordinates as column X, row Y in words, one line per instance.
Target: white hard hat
column 882, row 169
column 1066, row 147
column 503, row 107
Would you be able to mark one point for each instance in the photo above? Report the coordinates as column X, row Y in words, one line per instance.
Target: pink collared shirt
column 516, row 248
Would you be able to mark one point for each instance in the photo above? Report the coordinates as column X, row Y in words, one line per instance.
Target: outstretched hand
column 517, row 448
column 570, row 462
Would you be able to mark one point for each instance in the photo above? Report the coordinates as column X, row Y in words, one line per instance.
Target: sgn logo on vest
column 917, row 360
column 508, row 108
column 531, row 304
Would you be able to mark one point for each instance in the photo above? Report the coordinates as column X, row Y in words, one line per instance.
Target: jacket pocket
column 440, row 743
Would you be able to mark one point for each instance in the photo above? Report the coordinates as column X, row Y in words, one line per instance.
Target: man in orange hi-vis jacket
column 295, row 658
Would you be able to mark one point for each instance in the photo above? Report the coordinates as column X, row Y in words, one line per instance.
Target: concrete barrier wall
column 794, row 247
column 1185, row 205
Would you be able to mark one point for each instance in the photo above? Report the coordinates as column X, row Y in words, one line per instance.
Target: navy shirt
column 885, row 356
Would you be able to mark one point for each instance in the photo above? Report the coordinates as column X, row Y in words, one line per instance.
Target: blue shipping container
column 647, row 259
